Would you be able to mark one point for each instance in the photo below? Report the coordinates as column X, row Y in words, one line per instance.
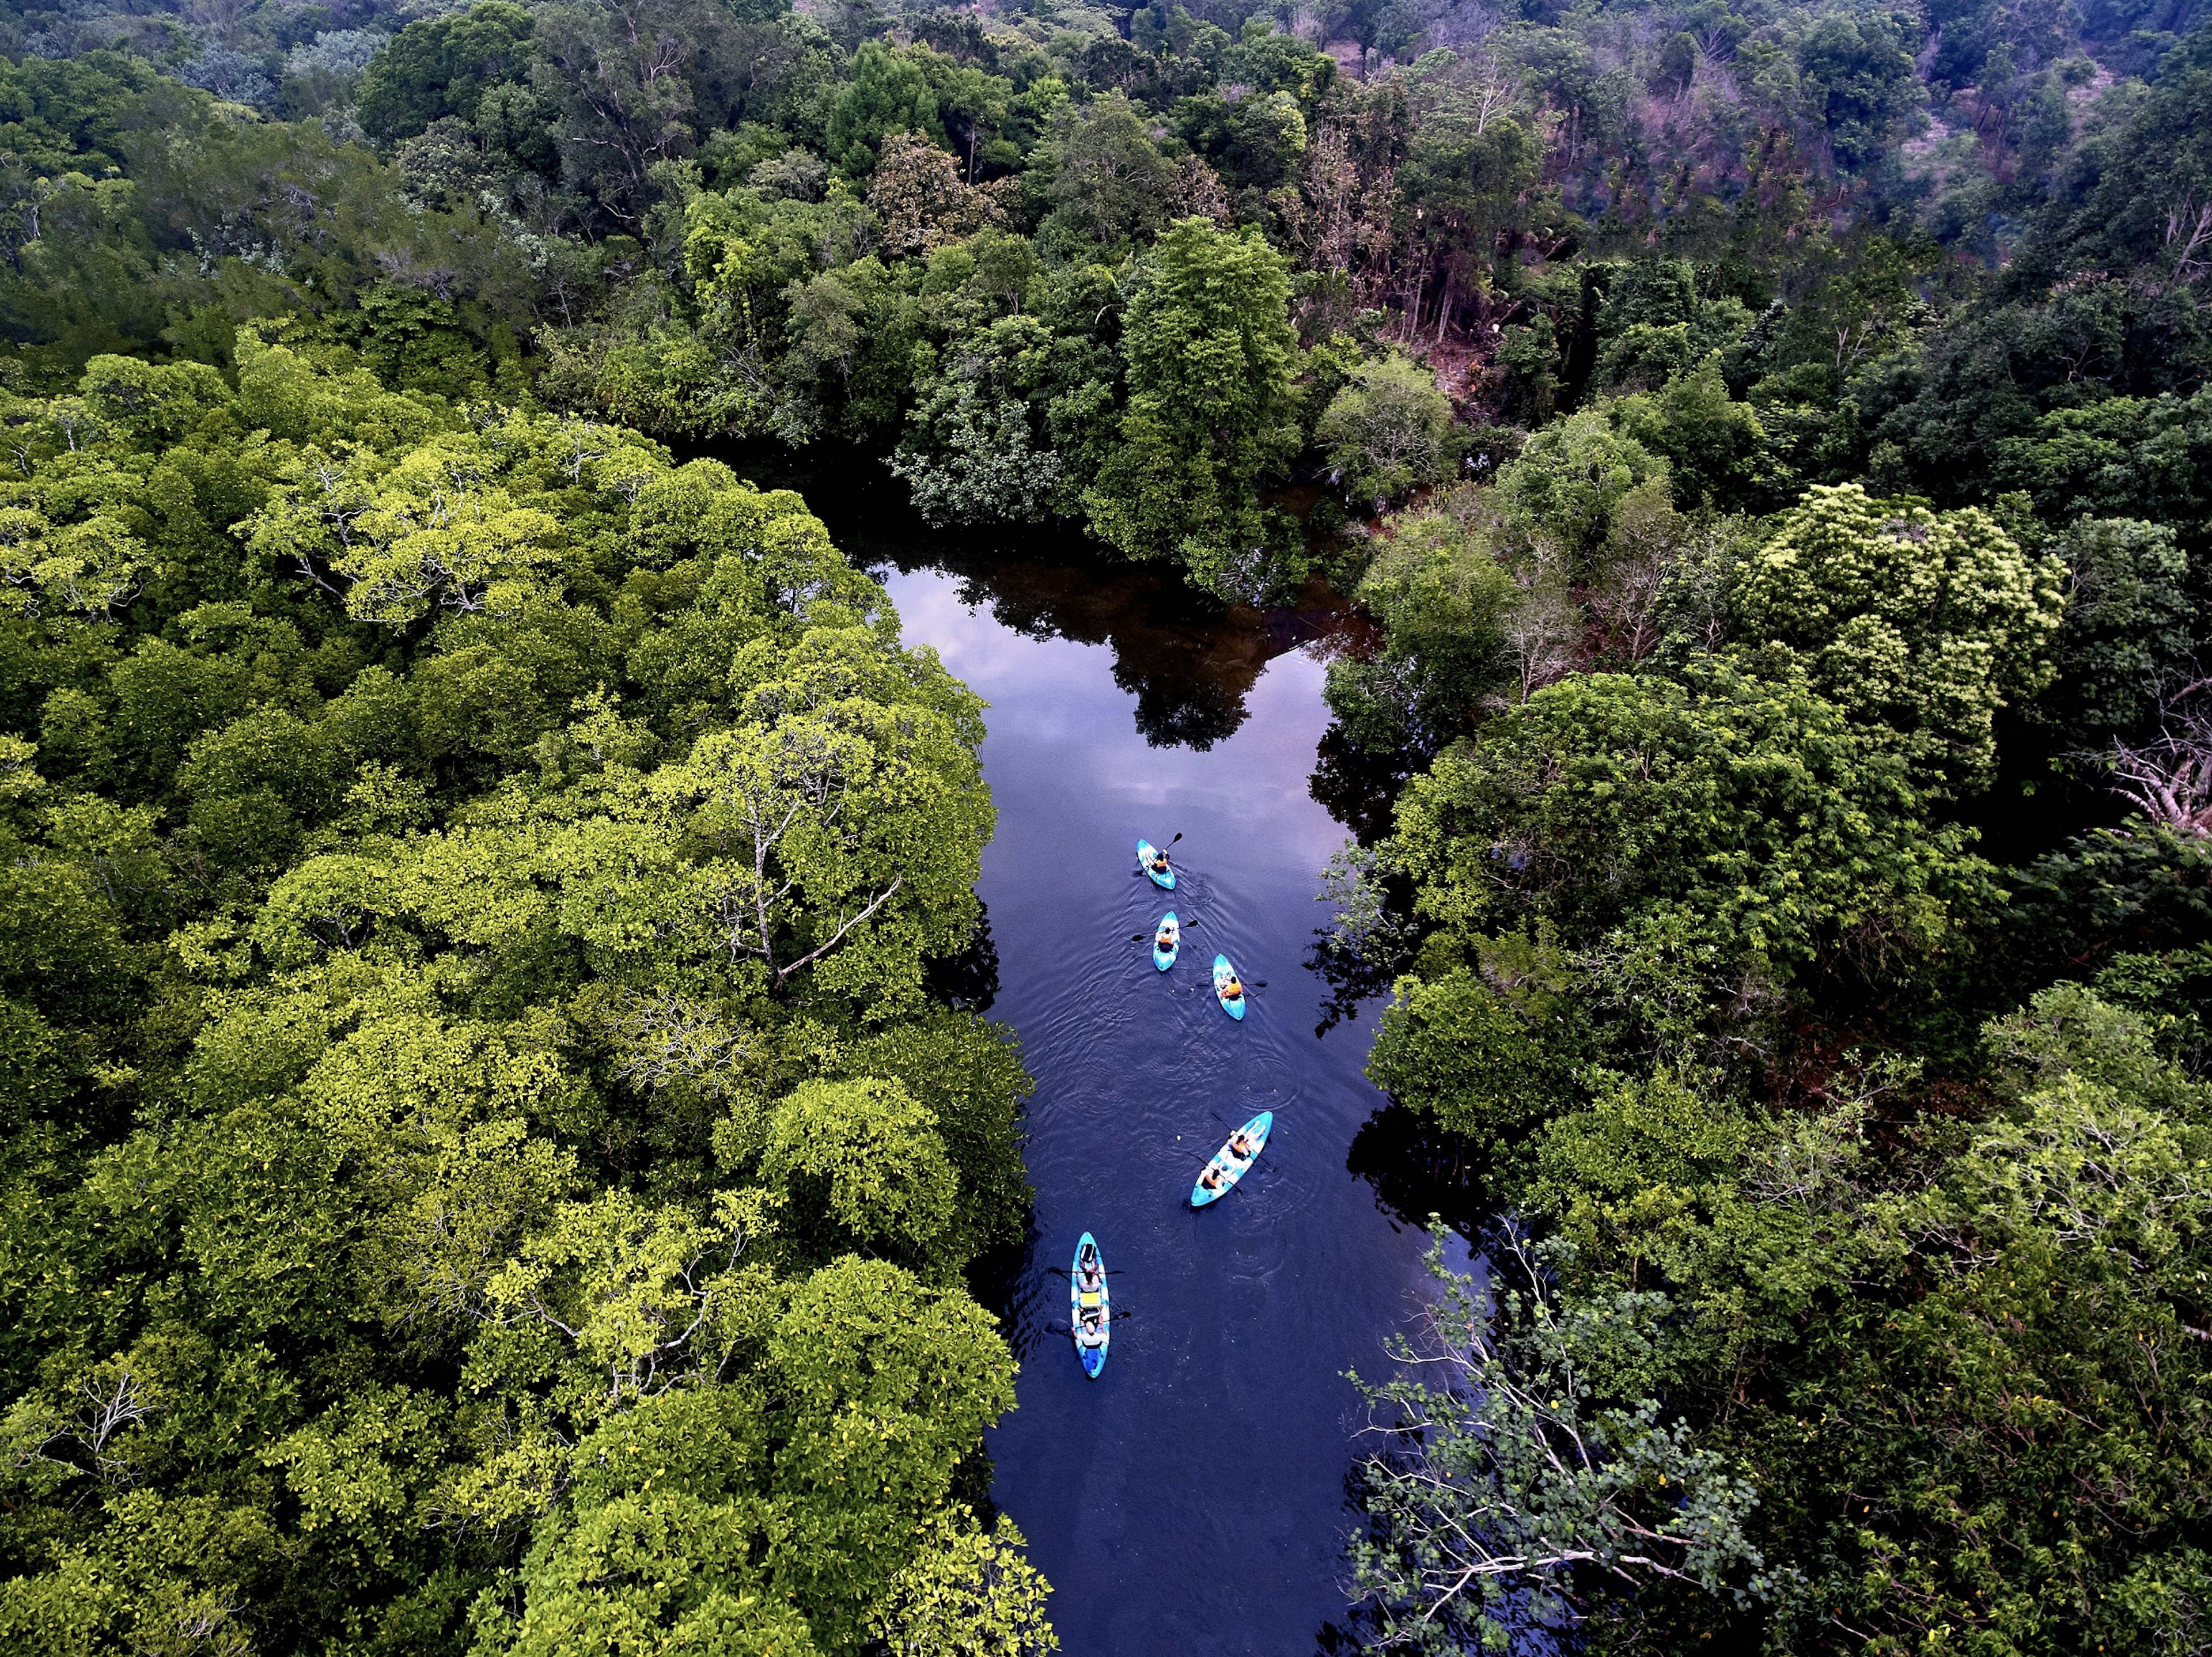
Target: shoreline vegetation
column 494, row 1146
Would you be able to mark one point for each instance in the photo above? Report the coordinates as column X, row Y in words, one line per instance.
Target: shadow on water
column 1360, row 789
column 1418, row 1170
column 969, row 980
column 1188, row 660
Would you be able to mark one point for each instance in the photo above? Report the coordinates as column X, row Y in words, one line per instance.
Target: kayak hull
column 1165, row 958
column 1229, row 1168
column 1093, row 1358
column 1222, row 972
column 1164, row 882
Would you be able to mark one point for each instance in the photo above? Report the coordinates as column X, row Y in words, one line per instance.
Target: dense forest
column 500, row 1120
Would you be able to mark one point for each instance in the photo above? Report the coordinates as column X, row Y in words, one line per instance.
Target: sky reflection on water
column 1193, row 1498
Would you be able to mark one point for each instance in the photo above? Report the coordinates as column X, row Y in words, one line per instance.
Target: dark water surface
column 1193, row 1498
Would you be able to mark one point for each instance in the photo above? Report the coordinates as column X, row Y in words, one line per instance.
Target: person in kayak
column 1091, row 1277
column 1160, row 860
column 1092, row 1332
column 1233, row 990
column 1242, row 1148
column 1166, row 940
column 1211, row 1177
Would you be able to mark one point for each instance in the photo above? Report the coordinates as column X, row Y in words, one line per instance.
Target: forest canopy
column 477, row 1114
column 501, row 1124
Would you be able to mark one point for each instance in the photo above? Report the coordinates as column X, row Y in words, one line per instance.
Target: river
column 1193, row 1498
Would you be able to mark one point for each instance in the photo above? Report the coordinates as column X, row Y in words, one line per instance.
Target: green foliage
column 1922, row 623
column 441, row 67
column 2120, row 457
column 2129, row 617
column 972, row 453
column 1110, row 182
column 1488, row 1051
column 461, row 964
column 1788, row 837
column 436, row 1084
column 876, row 1158
column 1388, row 431
column 888, row 94
column 1442, row 597
column 1715, row 448
column 1562, row 492
column 1510, row 1484
column 1209, row 357
column 1860, row 80
column 968, row 1590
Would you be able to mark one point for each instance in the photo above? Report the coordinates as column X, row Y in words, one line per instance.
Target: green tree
column 1560, row 494
column 969, row 1590
column 1860, row 82
column 1512, row 1478
column 1387, row 431
column 873, row 1156
column 890, row 1384
column 1921, row 624
column 1442, row 597
column 441, row 66
column 1110, row 182
column 1210, row 354
column 1784, row 833
column 2129, row 618
column 466, row 1285
column 888, row 94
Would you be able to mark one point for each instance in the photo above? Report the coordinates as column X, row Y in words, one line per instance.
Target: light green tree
column 1386, row 431
column 876, row 1158
column 835, row 832
column 968, row 1593
column 1560, row 495
column 885, row 1383
column 1442, row 596
column 1919, row 623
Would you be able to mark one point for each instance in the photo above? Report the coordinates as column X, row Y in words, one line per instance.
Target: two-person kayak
column 1089, row 1316
column 1233, row 1161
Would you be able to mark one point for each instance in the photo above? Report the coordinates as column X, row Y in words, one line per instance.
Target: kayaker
column 1242, row 1148
column 1160, row 861
column 1166, row 940
column 1233, row 990
column 1091, row 1333
column 1211, row 1177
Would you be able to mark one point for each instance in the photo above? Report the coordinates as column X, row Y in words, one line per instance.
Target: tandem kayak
column 1163, row 955
column 1223, row 975
column 1087, row 1294
column 1164, row 881
column 1229, row 1165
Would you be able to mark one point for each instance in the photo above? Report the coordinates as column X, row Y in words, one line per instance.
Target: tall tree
column 1210, row 354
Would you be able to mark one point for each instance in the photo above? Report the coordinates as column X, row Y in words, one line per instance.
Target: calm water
column 1193, row 1498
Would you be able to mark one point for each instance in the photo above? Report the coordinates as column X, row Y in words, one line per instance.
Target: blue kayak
column 1223, row 975
column 1162, row 879
column 1087, row 1294
column 1164, row 955
column 1231, row 1163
